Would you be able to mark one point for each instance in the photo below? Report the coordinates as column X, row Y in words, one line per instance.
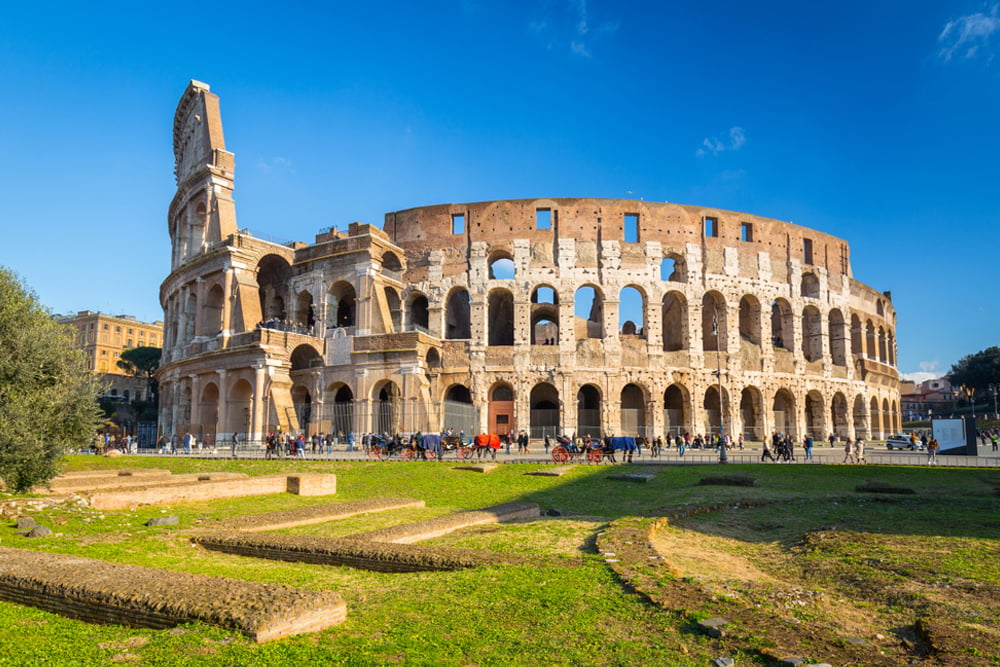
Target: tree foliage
column 977, row 370
column 142, row 362
column 47, row 393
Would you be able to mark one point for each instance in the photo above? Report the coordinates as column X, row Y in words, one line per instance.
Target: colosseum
column 599, row 316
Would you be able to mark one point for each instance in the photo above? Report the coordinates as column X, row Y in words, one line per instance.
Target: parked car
column 900, row 441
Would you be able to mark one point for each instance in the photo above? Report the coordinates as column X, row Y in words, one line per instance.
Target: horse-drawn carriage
column 483, row 445
column 568, row 451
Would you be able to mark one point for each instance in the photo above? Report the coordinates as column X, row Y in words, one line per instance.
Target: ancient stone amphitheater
column 612, row 317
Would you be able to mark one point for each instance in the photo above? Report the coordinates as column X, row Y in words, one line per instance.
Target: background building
column 549, row 315
column 104, row 337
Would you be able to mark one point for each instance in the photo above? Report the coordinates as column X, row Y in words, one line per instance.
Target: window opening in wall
column 712, row 227
column 544, row 295
column 630, row 312
column 543, row 218
column 746, row 232
column 631, row 228
column 667, row 268
column 502, row 268
column 807, row 251
column 458, row 223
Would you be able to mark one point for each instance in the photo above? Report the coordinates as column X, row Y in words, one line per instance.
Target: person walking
column 932, row 450
column 849, row 451
column 767, row 454
column 808, row 443
column 859, row 450
column 234, row 443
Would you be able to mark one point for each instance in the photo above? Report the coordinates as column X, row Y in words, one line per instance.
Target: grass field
column 799, row 564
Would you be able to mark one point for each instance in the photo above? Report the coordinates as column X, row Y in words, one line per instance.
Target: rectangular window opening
column 543, row 218
column 807, row 251
column 631, row 228
column 746, row 232
column 458, row 223
column 712, row 227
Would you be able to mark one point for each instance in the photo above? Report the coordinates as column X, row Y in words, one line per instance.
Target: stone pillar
column 258, row 404
column 223, row 418
column 196, row 425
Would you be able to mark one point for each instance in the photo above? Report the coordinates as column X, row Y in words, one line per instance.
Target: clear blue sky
column 874, row 121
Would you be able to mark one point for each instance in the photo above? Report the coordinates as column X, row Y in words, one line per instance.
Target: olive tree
column 47, row 394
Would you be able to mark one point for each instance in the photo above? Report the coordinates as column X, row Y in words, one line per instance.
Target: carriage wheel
column 560, row 454
column 407, row 454
column 430, row 454
column 595, row 456
column 464, row 452
column 377, row 452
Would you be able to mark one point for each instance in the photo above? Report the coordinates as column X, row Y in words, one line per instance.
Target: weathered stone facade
column 549, row 315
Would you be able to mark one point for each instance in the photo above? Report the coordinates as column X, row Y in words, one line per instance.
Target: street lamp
column 970, row 393
column 723, row 458
column 994, row 389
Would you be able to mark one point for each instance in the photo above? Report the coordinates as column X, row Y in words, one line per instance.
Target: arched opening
column 305, row 357
column 395, row 310
column 589, row 312
column 631, row 312
column 896, row 418
column 673, row 269
column 588, row 411
column 887, row 420
column 838, row 338
column 860, row 418
column 675, row 417
column 211, row 314
column 675, row 324
column 871, row 349
column 341, row 305
column 875, row 419
column 501, row 410
column 386, row 417
column 633, row 411
column 501, row 266
column 273, row 273
column 812, row 334
column 459, row 413
column 752, row 413
column 209, row 411
column 456, row 319
column 544, row 410
column 302, row 404
column 781, row 324
column 883, row 354
column 433, row 360
column 544, row 316
column 810, row 286
column 305, row 315
column 391, row 265
column 418, row 313
column 891, row 347
column 501, row 317
column 838, row 411
column 783, row 412
column 880, row 308
column 750, row 319
column 545, row 294
column 190, row 317
column 338, row 406
column 815, row 415
column 238, row 408
column 714, row 405
column 857, row 336
column 714, row 332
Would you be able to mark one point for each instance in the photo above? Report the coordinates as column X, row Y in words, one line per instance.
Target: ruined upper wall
column 597, row 221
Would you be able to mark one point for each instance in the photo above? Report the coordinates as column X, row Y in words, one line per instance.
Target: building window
column 118, row 329
column 712, row 227
column 746, row 232
column 129, row 342
column 631, row 228
column 458, row 223
column 142, row 334
column 105, row 327
column 129, row 332
column 543, row 218
column 807, row 251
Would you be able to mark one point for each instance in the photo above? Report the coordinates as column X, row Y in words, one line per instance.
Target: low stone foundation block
column 312, row 484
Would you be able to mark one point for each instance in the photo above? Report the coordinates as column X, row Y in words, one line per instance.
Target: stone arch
column 891, row 347
column 273, row 273
column 501, row 265
column 782, row 325
column 750, row 319
column 341, row 305
column 209, row 411
column 632, row 311
column 752, row 412
column 860, row 414
column 810, row 285
column 871, row 349
column 714, row 330
column 302, row 404
column 783, row 412
column 212, row 311
column 588, row 411
column 544, row 406
column 386, row 416
column 887, row 420
column 838, row 338
column 675, row 322
column 500, row 320
column 875, row 419
column 338, row 408
column 459, row 412
column 239, row 407
column 883, row 355
column 896, row 417
column 675, row 412
column 815, row 414
column 838, row 412
column 633, row 410
column 716, row 409
column 545, row 294
column 305, row 312
column 457, row 322
column 433, row 360
column 588, row 308
column 417, row 312
column 391, row 263
column 857, row 336
column 305, row 357
column 812, row 333
column 880, row 308
column 392, row 301
column 501, row 409
column 673, row 268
